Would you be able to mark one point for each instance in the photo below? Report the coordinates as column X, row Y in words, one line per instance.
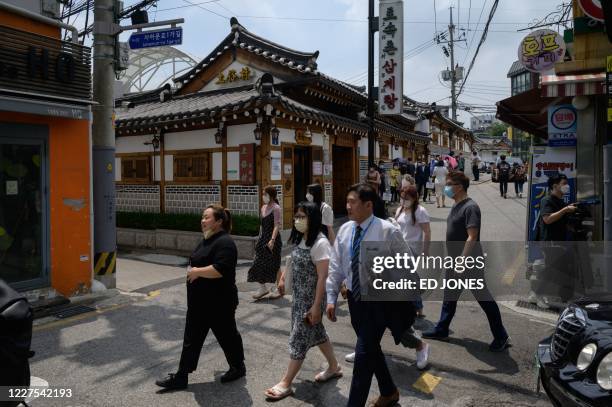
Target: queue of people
column 320, row 264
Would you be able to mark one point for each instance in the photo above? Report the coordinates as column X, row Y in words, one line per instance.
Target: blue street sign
column 156, row 38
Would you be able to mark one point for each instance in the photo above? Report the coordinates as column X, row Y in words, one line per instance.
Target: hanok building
column 252, row 113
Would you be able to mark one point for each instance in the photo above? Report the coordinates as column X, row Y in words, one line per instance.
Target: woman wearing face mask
column 315, row 194
column 413, row 220
column 212, row 298
column 440, row 172
column 310, row 261
column 266, row 265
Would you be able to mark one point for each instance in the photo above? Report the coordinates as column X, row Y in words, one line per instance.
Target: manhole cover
column 72, row 310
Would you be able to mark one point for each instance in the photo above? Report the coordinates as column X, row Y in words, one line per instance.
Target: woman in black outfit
column 212, row 298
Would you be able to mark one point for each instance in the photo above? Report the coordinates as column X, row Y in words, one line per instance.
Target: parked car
column 575, row 362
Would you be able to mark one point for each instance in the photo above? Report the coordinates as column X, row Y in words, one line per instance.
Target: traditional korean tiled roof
column 242, row 38
column 216, row 105
column 183, row 107
column 207, row 107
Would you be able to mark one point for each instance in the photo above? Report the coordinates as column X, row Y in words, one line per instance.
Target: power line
column 187, row 5
column 474, row 35
column 409, row 54
column 482, row 40
column 205, row 9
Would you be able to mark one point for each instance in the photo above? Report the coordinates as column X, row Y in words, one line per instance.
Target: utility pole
column 103, row 137
column 372, row 29
column 451, row 30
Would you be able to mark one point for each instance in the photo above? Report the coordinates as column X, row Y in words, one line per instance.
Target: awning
column 527, row 111
column 573, row 85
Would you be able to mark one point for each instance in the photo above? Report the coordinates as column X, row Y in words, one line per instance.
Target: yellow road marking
column 153, row 294
column 427, row 383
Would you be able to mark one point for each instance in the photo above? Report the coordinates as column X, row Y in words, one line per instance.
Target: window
column 192, row 167
column 136, row 169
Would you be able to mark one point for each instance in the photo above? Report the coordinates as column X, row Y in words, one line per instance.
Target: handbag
column 386, row 196
column 430, row 185
column 288, row 275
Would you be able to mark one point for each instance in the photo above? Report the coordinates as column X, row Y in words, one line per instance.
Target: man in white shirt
column 369, row 319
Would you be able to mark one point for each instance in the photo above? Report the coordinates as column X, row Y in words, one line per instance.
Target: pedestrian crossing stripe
column 105, row 263
column 427, row 383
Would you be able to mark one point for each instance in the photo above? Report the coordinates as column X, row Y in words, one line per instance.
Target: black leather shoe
column 173, row 381
column 234, row 373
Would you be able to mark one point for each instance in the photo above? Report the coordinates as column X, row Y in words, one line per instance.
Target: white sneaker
column 261, row 292
column 422, row 357
column 350, row 357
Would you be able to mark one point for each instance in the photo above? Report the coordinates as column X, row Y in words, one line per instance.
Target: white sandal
column 327, row 375
column 277, row 392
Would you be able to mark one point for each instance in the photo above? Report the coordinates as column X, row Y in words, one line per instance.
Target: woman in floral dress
column 309, row 264
column 266, row 265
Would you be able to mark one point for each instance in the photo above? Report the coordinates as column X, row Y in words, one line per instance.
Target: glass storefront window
column 22, row 210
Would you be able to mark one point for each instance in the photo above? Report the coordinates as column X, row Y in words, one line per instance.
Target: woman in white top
column 413, row 221
column 309, row 266
column 315, row 194
column 440, row 172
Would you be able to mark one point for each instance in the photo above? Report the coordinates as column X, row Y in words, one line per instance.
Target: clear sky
column 338, row 29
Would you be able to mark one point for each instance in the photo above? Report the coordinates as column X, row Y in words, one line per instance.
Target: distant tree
column 497, row 130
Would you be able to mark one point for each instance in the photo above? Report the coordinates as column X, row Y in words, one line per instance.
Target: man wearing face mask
column 554, row 210
column 463, row 225
column 558, row 277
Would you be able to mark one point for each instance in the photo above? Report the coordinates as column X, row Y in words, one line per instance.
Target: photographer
column 558, row 280
column 554, row 210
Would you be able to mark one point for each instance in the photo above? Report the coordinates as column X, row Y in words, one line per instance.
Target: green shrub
column 243, row 225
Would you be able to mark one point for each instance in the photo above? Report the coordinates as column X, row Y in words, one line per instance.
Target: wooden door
column 288, row 184
column 343, row 178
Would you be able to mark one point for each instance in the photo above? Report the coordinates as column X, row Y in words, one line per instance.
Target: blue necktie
column 356, row 286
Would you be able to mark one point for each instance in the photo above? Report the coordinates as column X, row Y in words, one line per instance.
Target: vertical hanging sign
column 391, row 57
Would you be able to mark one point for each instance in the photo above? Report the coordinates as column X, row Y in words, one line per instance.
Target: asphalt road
column 113, row 356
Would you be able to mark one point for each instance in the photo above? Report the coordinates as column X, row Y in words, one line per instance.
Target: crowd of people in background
column 322, row 265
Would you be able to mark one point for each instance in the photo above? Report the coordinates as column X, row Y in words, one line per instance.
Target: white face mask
column 301, row 225
column 309, row 197
column 407, row 204
column 565, row 189
column 266, row 199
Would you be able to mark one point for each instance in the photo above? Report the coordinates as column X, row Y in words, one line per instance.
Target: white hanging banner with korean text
column 391, row 57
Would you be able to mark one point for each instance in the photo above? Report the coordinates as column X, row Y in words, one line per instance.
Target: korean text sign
column 562, row 126
column 541, row 50
column 391, row 57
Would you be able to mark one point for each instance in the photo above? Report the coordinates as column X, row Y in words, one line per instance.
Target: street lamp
column 219, row 134
column 257, row 132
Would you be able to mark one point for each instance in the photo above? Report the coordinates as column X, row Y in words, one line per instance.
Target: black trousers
column 503, row 186
column 394, row 194
column 369, row 321
column 201, row 318
column 476, row 173
column 422, row 191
